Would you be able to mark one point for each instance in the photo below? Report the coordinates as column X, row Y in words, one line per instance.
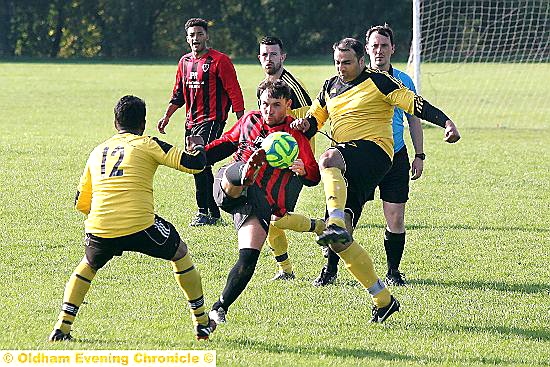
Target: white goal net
column 485, row 62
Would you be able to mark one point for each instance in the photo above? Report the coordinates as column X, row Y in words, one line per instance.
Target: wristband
column 422, row 156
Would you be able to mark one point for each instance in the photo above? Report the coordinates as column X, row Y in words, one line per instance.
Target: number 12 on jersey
column 115, row 171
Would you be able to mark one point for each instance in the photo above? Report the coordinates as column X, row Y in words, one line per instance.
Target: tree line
column 148, row 29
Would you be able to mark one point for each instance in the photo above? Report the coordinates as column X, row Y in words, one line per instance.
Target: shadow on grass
column 530, row 288
column 542, row 335
column 461, row 226
column 531, row 334
column 277, row 348
column 337, row 352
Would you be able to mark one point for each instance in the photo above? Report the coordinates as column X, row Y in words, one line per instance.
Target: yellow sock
column 320, row 226
column 359, row 263
column 293, row 221
column 189, row 280
column 75, row 291
column 278, row 243
column 299, row 223
column 336, row 194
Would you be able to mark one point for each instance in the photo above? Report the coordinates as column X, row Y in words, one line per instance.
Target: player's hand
column 162, row 124
column 300, row 124
column 192, row 141
column 298, row 167
column 417, row 167
column 451, row 132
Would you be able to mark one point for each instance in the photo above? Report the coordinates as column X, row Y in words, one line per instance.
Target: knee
column 274, row 231
column 181, row 251
column 331, row 158
column 395, row 221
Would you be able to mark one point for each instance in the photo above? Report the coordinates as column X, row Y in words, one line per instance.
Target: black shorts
column 208, row 130
column 394, row 187
column 365, row 166
column 161, row 240
column 252, row 202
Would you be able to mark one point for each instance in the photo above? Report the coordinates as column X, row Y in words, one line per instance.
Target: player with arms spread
column 359, row 102
column 394, row 187
column 116, row 194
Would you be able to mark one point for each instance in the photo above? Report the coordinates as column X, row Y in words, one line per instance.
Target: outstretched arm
column 430, row 113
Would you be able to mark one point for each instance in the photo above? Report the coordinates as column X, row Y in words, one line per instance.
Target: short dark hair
column 348, row 44
column 384, row 30
column 269, row 40
column 130, row 112
column 196, row 22
column 275, row 89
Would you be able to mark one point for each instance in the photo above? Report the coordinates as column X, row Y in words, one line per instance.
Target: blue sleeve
column 408, row 82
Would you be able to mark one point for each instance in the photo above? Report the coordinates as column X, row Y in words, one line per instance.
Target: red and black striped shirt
column 245, row 137
column 208, row 86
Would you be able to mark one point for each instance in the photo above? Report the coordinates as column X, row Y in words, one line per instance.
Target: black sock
column 201, row 191
column 238, row 277
column 332, row 261
column 212, row 206
column 394, row 244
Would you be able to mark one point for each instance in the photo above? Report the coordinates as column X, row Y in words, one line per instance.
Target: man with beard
column 272, row 56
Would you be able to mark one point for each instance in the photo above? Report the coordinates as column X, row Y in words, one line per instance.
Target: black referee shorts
column 161, row 240
column 252, row 202
column 394, row 187
column 365, row 166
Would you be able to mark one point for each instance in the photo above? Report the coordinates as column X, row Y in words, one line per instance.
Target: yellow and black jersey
column 301, row 101
column 362, row 109
column 116, row 188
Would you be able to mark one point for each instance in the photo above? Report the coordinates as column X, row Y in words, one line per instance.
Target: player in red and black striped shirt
column 206, row 83
column 251, row 190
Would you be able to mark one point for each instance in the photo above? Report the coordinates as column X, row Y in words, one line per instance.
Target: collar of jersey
column 339, row 86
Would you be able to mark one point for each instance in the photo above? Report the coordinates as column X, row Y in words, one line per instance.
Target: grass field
column 477, row 254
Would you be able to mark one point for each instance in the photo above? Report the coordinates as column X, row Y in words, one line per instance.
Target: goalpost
column 485, row 62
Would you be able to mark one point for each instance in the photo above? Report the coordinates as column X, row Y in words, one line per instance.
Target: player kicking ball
column 251, row 190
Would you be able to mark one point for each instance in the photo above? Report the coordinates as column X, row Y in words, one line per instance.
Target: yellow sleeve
column 83, row 199
column 402, row 98
column 174, row 157
column 319, row 112
column 299, row 112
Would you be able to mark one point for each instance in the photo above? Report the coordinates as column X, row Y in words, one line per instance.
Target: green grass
column 477, row 246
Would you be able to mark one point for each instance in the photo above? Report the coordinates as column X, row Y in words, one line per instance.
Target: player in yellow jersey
column 272, row 56
column 359, row 102
column 116, row 194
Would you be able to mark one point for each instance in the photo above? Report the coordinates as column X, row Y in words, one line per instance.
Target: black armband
column 193, row 160
column 306, row 182
column 219, row 152
column 309, row 133
column 424, row 110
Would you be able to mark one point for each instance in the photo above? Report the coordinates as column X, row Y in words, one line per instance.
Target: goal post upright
column 415, row 47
